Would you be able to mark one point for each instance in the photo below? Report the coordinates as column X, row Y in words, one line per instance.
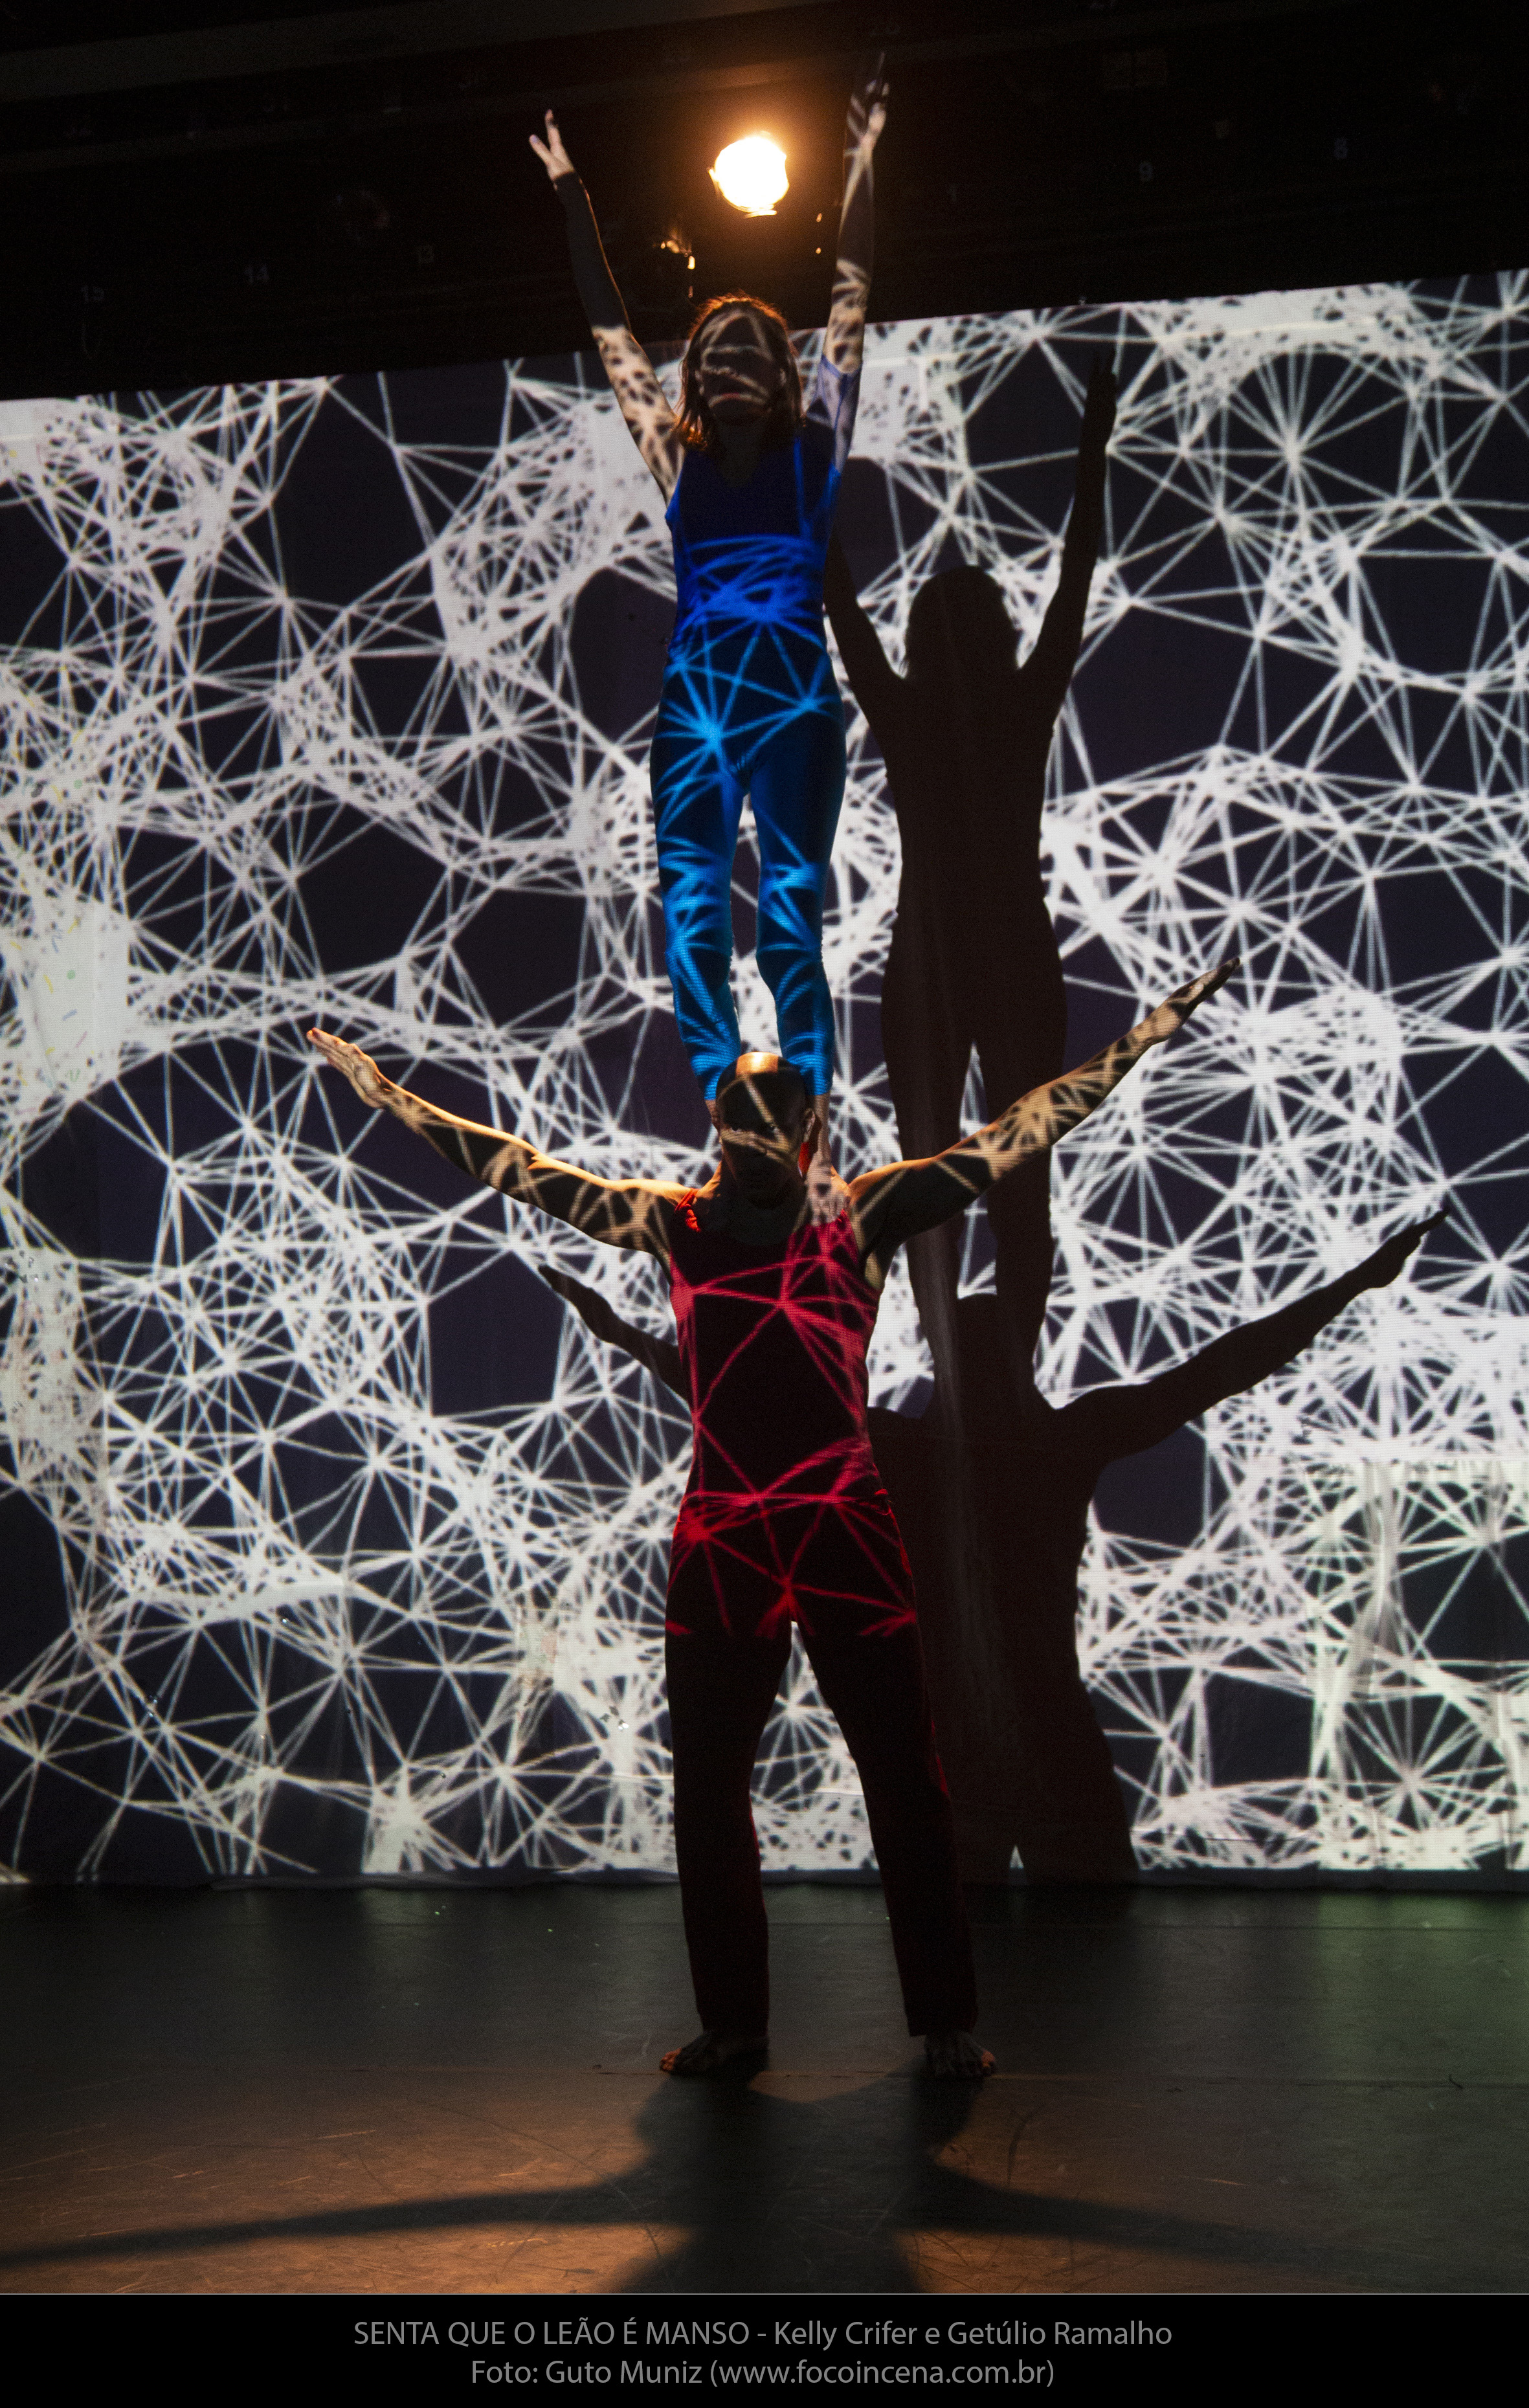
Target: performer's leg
column 698, row 804
column 865, row 1648
column 727, row 1643
column 876, row 1689
column 796, row 785
column 721, row 1692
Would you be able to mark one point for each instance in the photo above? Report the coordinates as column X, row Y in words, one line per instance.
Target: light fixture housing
column 751, row 175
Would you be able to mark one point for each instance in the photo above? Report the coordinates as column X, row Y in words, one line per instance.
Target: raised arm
column 1047, row 670
column 630, row 1212
column 639, row 397
column 1122, row 1420
column 874, row 682
column 845, row 340
column 892, row 1205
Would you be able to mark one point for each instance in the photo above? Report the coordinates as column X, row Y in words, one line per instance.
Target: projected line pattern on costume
column 750, row 704
column 785, row 1523
column 1296, row 732
column 797, row 1320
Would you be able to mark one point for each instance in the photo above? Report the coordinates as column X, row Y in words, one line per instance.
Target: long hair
column 696, row 424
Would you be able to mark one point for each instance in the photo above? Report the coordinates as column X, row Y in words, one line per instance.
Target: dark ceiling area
column 231, row 191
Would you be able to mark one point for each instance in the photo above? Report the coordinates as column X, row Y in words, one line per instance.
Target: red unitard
column 785, row 1520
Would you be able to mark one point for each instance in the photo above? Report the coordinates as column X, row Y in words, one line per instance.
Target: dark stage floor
column 418, row 2090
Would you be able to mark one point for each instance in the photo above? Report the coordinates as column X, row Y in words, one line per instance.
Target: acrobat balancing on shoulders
column 784, row 1518
column 750, row 702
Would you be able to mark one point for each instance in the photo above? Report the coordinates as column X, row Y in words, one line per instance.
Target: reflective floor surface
column 457, row 2091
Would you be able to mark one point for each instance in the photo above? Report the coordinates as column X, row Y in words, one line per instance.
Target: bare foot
column 955, row 2056
column 709, row 2051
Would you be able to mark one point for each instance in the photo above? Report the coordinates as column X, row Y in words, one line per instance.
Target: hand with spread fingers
column 367, row 1079
column 553, row 157
column 867, row 114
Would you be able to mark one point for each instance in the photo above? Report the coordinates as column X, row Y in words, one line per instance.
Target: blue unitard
column 751, row 706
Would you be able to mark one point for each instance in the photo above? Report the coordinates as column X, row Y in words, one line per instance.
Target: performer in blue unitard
column 750, row 702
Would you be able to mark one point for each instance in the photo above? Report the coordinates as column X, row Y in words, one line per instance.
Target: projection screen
column 333, row 1546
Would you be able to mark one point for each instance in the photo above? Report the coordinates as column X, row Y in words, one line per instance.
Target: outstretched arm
column 845, row 340
column 1049, row 669
column 630, row 1212
column 1122, row 1420
column 639, row 397
column 874, row 682
column 659, row 1355
column 892, row 1205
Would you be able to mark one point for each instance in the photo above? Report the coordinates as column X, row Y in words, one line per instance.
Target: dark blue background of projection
column 348, row 889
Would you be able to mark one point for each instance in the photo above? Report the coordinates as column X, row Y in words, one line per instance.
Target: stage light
column 751, row 173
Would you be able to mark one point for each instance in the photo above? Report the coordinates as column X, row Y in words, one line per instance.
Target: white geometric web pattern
column 319, row 1614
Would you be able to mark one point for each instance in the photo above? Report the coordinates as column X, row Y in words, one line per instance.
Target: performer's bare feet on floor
column 955, row 2056
column 709, row 2051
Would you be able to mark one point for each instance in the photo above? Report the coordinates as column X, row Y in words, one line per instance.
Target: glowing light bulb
column 751, row 173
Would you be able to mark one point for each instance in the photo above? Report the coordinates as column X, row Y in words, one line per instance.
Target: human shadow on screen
column 965, row 732
column 991, row 1486
column 994, row 1514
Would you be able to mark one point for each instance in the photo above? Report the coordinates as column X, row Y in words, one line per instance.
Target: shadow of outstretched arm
column 659, row 1355
column 1122, row 1420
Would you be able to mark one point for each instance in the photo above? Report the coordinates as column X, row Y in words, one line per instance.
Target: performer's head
column 959, row 630
column 765, row 1118
column 739, row 368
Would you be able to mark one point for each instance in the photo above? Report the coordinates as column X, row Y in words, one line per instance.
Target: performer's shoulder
column 844, row 1240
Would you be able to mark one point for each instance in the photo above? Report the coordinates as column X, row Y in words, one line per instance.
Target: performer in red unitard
column 784, row 1517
